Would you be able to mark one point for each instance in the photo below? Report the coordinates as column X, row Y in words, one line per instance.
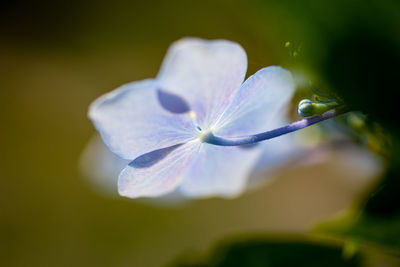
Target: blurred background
column 56, row 57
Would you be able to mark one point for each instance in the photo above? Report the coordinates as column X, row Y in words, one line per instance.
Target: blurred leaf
column 367, row 229
column 267, row 252
column 377, row 219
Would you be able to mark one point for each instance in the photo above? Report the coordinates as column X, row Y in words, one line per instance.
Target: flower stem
column 252, row 139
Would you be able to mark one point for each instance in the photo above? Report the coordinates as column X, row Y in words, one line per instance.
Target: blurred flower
column 159, row 124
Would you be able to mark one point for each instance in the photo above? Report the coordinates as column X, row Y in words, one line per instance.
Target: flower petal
column 219, row 171
column 132, row 122
column 275, row 154
column 158, row 172
column 279, row 150
column 101, row 167
column 258, row 105
column 206, row 74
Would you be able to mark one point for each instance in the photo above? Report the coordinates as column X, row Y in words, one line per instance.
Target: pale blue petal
column 206, row 74
column 280, row 150
column 101, row 167
column 276, row 153
column 158, row 172
column 219, row 171
column 258, row 105
column 132, row 121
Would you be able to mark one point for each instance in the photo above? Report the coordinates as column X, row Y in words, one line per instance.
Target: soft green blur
column 58, row 56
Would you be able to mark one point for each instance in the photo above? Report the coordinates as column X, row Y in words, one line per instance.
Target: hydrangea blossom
column 162, row 124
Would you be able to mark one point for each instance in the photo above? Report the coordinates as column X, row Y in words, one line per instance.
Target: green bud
column 307, row 108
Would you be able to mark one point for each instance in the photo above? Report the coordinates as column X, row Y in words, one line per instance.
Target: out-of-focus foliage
column 275, row 252
column 353, row 48
column 384, row 232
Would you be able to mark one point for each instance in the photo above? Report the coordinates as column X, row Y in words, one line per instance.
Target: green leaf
column 277, row 252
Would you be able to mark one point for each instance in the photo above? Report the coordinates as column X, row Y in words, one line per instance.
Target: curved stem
column 251, row 139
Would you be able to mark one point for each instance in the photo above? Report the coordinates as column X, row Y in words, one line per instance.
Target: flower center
column 204, row 136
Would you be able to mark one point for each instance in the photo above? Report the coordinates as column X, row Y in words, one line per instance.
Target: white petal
column 205, row 73
column 132, row 121
column 258, row 105
column 158, row 172
column 219, row 171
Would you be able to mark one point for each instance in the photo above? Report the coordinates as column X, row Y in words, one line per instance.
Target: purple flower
column 161, row 124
